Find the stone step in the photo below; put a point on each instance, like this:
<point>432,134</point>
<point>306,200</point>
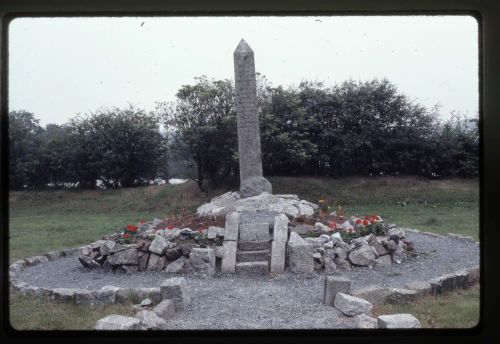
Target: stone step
<point>252,268</point>
<point>253,256</point>
<point>253,245</point>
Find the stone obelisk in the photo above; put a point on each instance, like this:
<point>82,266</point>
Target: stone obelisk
<point>252,182</point>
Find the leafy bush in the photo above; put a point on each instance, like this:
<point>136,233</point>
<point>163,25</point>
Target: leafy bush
<point>121,147</point>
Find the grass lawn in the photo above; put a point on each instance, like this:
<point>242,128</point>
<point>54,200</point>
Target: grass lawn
<point>454,309</point>
<point>46,220</point>
<point>31,314</point>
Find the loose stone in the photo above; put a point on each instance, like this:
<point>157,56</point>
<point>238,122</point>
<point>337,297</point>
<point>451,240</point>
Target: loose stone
<point>177,290</point>
<point>351,305</point>
<point>176,266</point>
<point>362,256</point>
<point>119,322</point>
<point>364,321</point>
<point>151,320</point>
<point>159,245</point>
<point>165,309</point>
<point>334,285</point>
<point>398,321</point>
<point>300,255</point>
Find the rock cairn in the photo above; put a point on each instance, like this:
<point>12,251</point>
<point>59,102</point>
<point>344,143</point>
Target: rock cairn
<point>169,250</point>
<point>331,252</point>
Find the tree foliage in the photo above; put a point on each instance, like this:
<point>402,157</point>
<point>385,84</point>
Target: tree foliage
<point>365,128</point>
<point>204,123</point>
<point>120,147</point>
<point>24,141</point>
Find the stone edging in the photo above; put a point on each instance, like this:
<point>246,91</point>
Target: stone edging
<point>110,294</point>
<point>415,290</point>
<point>107,295</point>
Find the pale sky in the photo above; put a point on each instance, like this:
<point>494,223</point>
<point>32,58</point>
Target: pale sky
<point>59,67</point>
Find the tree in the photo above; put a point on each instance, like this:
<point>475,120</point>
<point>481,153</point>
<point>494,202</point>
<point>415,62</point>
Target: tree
<point>121,147</point>
<point>285,133</point>
<point>24,154</point>
<point>204,120</point>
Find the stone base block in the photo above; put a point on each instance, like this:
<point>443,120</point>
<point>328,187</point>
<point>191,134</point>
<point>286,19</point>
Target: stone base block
<point>252,268</point>
<point>255,186</point>
<point>252,256</point>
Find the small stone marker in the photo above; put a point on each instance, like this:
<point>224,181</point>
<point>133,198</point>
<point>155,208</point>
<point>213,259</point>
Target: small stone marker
<point>252,181</point>
<point>398,321</point>
<point>176,289</point>
<point>280,228</point>
<point>119,322</point>
<point>229,256</point>
<point>300,255</point>
<point>351,305</point>
<point>230,244</point>
<point>278,247</point>
<point>334,285</point>
<point>278,253</point>
<point>231,227</point>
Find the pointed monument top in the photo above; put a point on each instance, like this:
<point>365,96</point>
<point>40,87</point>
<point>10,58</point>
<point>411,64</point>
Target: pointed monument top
<point>243,47</point>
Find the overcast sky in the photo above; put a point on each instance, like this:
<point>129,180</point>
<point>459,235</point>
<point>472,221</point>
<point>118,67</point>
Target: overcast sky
<point>62,66</point>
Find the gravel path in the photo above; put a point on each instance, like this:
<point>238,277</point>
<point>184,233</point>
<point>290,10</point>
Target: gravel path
<point>285,301</point>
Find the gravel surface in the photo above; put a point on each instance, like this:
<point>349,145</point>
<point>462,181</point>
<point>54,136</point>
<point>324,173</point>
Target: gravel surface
<point>284,301</point>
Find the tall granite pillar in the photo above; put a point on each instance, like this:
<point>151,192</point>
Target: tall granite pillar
<point>252,182</point>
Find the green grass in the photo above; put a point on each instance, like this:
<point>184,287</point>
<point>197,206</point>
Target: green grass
<point>440,206</point>
<point>457,309</point>
<point>32,314</point>
<point>47,220</point>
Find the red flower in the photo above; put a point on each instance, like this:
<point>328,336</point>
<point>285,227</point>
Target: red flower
<point>365,222</point>
<point>358,221</point>
<point>373,221</point>
<point>126,235</point>
<point>170,227</point>
<point>132,228</point>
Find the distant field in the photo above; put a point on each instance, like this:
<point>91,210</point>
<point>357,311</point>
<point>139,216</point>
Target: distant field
<point>46,220</point>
